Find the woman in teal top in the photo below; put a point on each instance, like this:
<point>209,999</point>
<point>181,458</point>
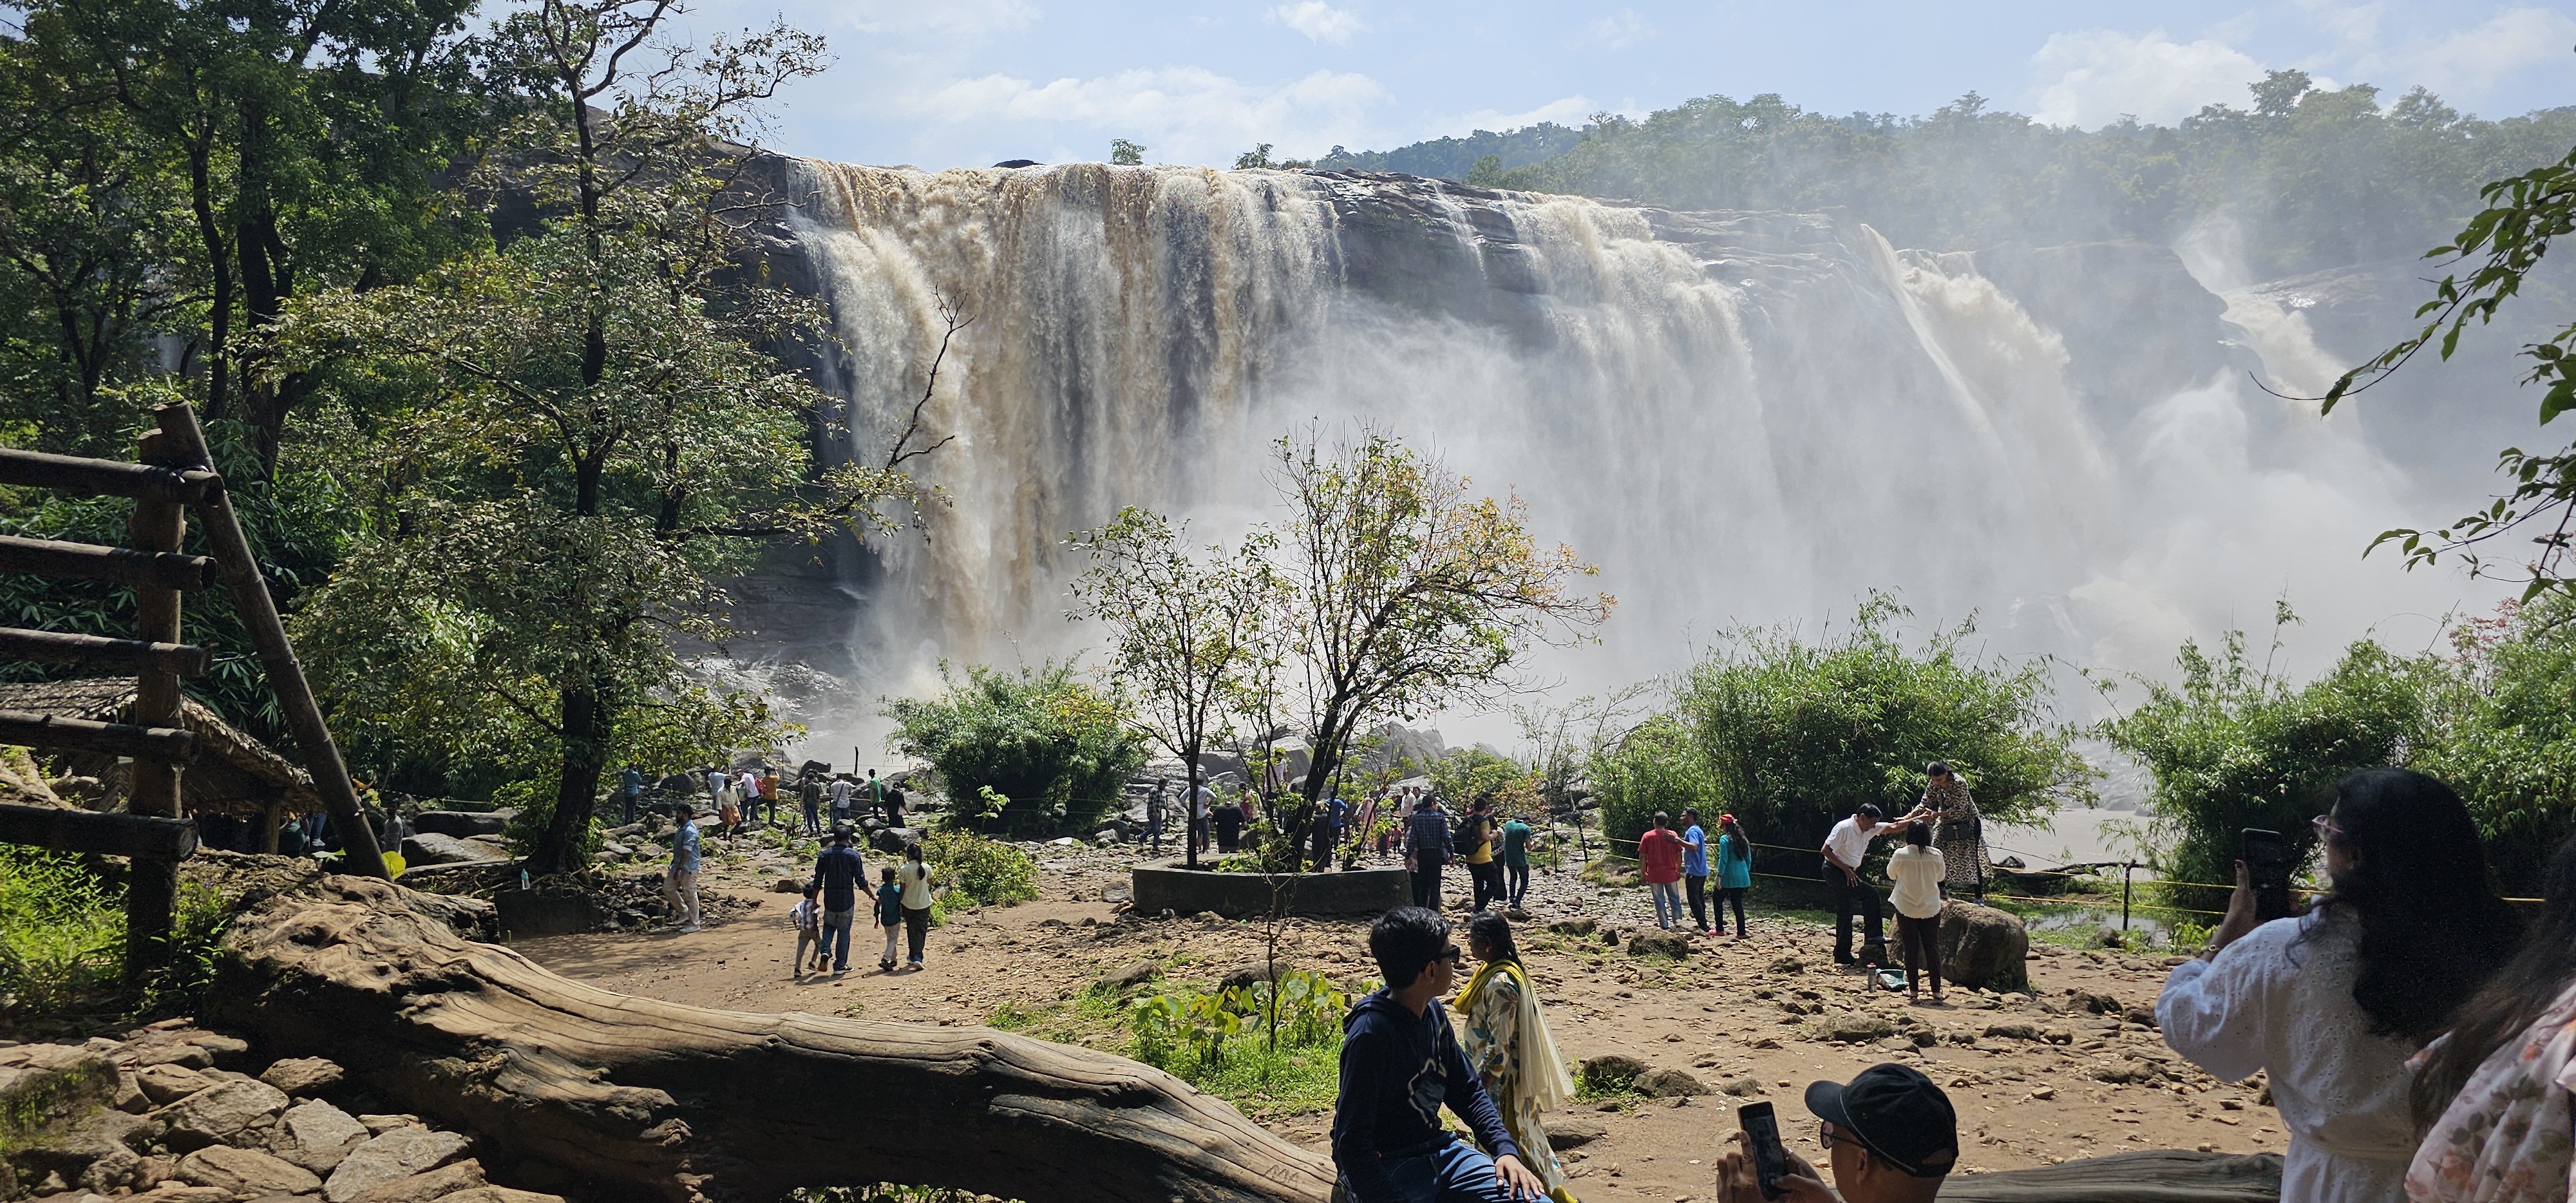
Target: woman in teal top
<point>1734,871</point>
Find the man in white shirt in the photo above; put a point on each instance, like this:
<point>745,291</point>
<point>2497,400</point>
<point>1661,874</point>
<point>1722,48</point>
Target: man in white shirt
<point>1844,848</point>
<point>841,790</point>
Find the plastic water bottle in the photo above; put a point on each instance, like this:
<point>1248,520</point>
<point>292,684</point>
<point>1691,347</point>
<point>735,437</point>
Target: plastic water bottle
<point>524,883</point>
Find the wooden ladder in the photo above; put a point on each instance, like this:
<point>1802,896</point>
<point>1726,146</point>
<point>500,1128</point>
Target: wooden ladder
<point>175,473</point>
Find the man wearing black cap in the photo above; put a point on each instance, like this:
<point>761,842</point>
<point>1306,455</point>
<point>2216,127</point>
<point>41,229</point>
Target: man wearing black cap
<point>1889,1134</point>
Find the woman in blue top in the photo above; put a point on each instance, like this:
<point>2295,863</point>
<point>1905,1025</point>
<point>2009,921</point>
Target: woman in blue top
<point>1734,870</point>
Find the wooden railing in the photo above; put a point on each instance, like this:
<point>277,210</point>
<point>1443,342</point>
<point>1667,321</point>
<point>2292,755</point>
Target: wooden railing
<point>176,474</point>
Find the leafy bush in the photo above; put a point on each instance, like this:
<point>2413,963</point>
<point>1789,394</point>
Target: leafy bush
<point>1791,734</point>
<point>62,932</point>
<point>2233,746</point>
<point>988,872</point>
<point>1304,1010</point>
<point>1051,747</point>
<point>2503,719</point>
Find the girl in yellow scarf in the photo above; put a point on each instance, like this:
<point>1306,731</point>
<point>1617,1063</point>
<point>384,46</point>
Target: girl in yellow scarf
<point>1508,1046</point>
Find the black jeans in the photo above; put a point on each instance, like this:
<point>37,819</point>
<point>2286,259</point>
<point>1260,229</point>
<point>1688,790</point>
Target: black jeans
<point>1920,940</point>
<point>1516,878</point>
<point>1697,888</point>
<point>1732,897</point>
<point>1426,883</point>
<point>916,925</point>
<point>1850,899</point>
<point>1488,878</point>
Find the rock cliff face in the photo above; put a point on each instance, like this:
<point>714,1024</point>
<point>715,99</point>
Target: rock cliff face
<point>1740,416</point>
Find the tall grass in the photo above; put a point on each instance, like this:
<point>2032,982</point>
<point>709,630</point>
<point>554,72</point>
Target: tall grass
<point>62,932</point>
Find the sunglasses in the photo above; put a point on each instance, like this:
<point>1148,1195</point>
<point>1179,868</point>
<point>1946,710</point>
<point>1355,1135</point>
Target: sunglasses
<point>1452,954</point>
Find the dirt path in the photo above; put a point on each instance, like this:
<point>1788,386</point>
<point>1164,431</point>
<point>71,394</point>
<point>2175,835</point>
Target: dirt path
<point>2074,1084</point>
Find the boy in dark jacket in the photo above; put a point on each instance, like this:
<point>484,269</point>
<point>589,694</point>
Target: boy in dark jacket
<point>1400,1064</point>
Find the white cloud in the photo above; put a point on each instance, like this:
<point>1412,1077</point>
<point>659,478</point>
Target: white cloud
<point>1186,114</point>
<point>2467,61</point>
<point>2091,77</point>
<point>951,18</point>
<point>1319,21</point>
<point>1621,29</point>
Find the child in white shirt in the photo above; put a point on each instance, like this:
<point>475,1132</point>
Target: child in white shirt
<point>808,919</point>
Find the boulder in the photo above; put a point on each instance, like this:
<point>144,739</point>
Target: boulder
<point>316,1135</point>
<point>1574,927</point>
<point>1656,942</point>
<point>1743,1086</point>
<point>439,1183</point>
<point>219,1113</point>
<point>1573,1133</point>
<point>1853,1027</point>
<point>1788,965</point>
<point>1984,947</point>
<point>1669,1084</point>
<point>431,848</point>
<point>891,840</point>
<point>1610,1071</point>
<point>167,1084</point>
<point>787,885</point>
<point>1257,971</point>
<point>302,1076</point>
<point>1132,975</point>
<point>459,823</point>
<point>499,1194</point>
<point>245,1172</point>
<point>392,1157</point>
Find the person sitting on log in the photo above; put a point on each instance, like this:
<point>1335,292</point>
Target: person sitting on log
<point>1400,1064</point>
<point>1890,1135</point>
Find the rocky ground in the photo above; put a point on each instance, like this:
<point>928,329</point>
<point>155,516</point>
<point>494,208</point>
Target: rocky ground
<point>2073,1068</point>
<point>171,1113</point>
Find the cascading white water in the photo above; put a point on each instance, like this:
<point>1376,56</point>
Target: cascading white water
<point>1740,417</point>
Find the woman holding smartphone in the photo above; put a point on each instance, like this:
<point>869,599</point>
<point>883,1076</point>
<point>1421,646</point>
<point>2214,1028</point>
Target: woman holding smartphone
<point>2331,1004</point>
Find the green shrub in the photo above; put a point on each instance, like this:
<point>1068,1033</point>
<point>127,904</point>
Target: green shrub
<point>62,932</point>
<point>2233,746</point>
<point>1790,734</point>
<point>1052,750</point>
<point>987,872</point>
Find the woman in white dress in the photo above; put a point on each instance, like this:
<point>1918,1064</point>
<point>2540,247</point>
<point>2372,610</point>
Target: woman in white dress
<point>2332,1003</point>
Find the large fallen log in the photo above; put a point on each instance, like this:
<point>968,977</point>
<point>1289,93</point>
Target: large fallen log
<point>2142,1176</point>
<point>685,1103</point>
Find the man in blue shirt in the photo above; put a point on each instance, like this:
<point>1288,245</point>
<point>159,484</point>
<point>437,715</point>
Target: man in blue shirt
<point>680,885</point>
<point>1400,1065</point>
<point>839,873</point>
<point>630,787</point>
<point>1695,868</point>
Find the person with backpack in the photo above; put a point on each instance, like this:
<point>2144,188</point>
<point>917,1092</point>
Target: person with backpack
<point>1475,834</point>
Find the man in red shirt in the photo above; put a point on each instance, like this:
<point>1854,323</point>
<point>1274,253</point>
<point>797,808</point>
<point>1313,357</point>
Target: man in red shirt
<point>1660,852</point>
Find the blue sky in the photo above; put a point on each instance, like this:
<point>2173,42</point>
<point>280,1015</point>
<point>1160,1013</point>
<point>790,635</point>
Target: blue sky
<point>969,82</point>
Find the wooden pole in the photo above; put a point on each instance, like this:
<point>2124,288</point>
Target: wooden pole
<point>26,728</point>
<point>93,651</point>
<point>147,568</point>
<point>65,830</point>
<point>102,478</point>
<point>268,634</point>
<point>152,886</point>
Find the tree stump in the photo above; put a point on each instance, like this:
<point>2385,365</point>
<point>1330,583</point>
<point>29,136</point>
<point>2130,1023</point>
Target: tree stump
<point>686,1103</point>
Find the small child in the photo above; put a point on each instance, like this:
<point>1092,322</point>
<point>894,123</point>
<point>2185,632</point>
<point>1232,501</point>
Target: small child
<point>889,914</point>
<point>808,919</point>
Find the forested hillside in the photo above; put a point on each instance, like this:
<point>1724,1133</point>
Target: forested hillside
<point>2315,177</point>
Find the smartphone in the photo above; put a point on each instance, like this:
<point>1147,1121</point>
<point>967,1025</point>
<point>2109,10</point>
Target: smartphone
<point>2267,860</point>
<point>1770,1160</point>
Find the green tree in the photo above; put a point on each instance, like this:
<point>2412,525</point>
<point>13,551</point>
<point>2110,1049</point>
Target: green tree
<point>1258,156</point>
<point>1487,172</point>
<point>1184,630</point>
<point>1123,153</point>
<point>1057,750</point>
<point>1658,765</point>
<point>1793,734</point>
<point>1403,592</point>
<point>2503,733</point>
<point>591,435</point>
<point>2233,745</point>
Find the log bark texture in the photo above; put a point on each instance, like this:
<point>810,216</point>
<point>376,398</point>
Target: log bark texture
<point>684,1103</point>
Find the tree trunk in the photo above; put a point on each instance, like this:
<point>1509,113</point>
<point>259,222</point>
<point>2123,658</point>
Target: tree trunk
<point>656,1100</point>
<point>585,731</point>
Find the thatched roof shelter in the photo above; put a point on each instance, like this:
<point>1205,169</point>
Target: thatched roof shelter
<point>232,775</point>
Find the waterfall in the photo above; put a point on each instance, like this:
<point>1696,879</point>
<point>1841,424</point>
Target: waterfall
<point>1741,417</point>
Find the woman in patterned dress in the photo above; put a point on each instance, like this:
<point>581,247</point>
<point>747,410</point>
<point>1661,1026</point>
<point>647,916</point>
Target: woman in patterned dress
<point>2493,1094</point>
<point>1961,835</point>
<point>1508,1046</point>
